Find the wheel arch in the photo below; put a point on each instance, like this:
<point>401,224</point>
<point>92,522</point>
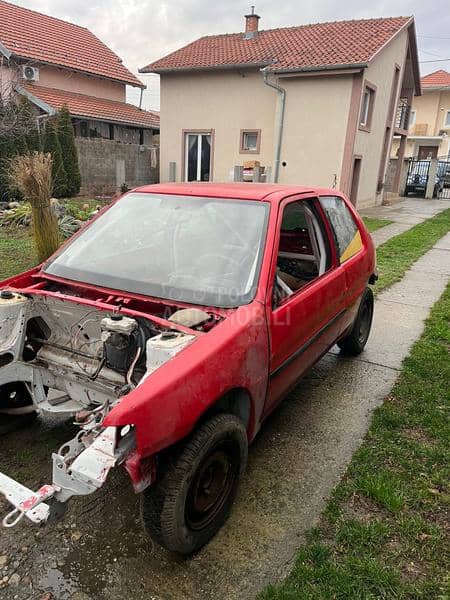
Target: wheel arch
<point>236,401</point>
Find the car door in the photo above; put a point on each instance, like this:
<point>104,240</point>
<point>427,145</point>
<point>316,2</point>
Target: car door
<point>306,297</point>
<point>350,252</point>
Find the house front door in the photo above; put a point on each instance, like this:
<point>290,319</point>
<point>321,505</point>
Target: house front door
<point>427,152</point>
<point>197,158</point>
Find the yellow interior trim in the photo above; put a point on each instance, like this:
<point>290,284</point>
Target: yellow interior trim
<point>354,247</point>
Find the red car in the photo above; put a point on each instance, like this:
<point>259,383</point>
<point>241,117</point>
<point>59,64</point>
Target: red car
<point>171,326</point>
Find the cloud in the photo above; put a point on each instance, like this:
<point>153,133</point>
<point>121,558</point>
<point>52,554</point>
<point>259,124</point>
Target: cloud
<point>141,31</point>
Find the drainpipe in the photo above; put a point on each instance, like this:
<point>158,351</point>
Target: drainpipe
<point>140,99</point>
<point>279,134</point>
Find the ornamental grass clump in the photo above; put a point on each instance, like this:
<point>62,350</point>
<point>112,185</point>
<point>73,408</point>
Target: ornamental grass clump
<point>32,175</point>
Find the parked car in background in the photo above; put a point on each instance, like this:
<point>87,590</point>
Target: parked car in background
<point>171,326</point>
<point>417,180</point>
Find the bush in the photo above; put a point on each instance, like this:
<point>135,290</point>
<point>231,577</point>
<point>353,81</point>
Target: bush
<point>17,217</point>
<point>69,151</point>
<point>32,174</point>
<point>52,146</point>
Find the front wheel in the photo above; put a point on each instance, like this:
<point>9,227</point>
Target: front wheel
<point>355,341</point>
<point>16,407</point>
<point>190,503</point>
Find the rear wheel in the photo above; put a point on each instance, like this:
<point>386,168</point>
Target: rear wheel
<point>192,500</point>
<point>355,341</point>
<point>16,407</point>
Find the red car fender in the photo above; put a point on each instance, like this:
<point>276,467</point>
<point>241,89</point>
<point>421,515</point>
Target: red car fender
<point>167,405</point>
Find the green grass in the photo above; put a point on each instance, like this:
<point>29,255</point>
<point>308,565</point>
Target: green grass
<point>383,533</point>
<point>373,224</point>
<point>396,256</point>
<point>16,251</point>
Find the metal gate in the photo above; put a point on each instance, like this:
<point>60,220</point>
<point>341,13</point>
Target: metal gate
<point>443,176</point>
<point>418,175</point>
<point>417,179</point>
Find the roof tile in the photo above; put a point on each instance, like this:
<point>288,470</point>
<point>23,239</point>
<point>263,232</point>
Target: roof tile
<point>304,47</point>
<point>439,78</point>
<point>34,36</point>
<point>92,107</point>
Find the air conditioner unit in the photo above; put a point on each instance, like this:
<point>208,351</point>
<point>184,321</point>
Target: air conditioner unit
<point>30,73</point>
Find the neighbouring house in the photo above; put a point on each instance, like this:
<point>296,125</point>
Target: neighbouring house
<point>313,104</point>
<point>52,63</point>
<point>429,122</point>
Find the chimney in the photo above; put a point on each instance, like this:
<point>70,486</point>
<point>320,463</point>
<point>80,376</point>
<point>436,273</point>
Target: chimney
<point>251,24</point>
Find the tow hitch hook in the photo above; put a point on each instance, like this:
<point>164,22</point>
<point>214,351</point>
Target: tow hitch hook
<point>25,502</point>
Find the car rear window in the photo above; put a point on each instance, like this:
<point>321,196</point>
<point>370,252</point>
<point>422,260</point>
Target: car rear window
<point>346,233</point>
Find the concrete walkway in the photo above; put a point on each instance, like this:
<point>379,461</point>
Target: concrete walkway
<point>100,553</point>
<point>406,213</point>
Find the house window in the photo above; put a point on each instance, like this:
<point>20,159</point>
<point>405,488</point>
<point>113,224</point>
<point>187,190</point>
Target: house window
<point>412,118</point>
<point>368,99</point>
<point>345,231</point>
<point>197,156</point>
<point>447,119</point>
<point>111,131</point>
<point>250,141</point>
<point>141,137</point>
<point>84,129</point>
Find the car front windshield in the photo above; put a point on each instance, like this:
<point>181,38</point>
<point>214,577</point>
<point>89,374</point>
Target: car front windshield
<point>199,250</point>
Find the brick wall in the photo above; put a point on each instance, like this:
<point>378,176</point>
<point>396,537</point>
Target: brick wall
<point>105,165</point>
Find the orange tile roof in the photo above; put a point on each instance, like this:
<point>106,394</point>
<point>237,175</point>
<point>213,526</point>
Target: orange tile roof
<point>34,36</point>
<point>292,48</point>
<point>439,78</point>
<point>92,107</point>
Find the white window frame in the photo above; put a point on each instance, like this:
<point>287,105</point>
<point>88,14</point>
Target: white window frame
<point>412,118</point>
<point>365,108</point>
<point>199,153</point>
<point>447,119</point>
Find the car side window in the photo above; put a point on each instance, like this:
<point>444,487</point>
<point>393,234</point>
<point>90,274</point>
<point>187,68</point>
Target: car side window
<point>346,233</point>
<point>303,253</point>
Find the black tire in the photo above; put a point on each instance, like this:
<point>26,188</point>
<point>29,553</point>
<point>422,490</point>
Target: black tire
<point>355,341</point>
<point>192,500</point>
<point>14,397</point>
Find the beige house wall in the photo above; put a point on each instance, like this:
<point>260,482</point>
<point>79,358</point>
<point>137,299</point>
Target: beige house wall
<point>316,116</point>
<point>369,145</point>
<point>431,109</point>
<point>316,125</point>
<point>62,79</point>
<point>224,102</point>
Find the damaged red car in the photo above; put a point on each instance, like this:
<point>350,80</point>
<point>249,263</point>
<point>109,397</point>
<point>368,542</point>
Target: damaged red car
<point>169,328</point>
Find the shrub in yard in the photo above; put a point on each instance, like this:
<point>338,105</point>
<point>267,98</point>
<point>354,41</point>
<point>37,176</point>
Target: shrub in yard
<point>68,225</point>
<point>32,174</point>
<point>18,135</point>
<point>17,217</point>
<point>69,151</point>
<point>52,146</point>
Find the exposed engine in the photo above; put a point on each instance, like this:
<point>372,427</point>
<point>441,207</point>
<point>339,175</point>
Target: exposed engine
<point>58,355</point>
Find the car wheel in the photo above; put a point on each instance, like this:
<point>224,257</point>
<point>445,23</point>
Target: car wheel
<point>190,503</point>
<point>16,407</point>
<point>355,341</point>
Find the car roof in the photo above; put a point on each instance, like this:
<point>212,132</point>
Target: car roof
<point>269,192</point>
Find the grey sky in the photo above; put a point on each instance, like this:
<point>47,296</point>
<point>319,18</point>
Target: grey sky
<point>141,31</point>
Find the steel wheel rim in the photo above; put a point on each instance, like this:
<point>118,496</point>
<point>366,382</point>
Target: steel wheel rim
<point>211,486</point>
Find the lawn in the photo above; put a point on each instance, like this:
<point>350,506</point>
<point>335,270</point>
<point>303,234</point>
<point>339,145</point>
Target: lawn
<point>373,224</point>
<point>16,251</point>
<point>396,256</point>
<point>383,534</point>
